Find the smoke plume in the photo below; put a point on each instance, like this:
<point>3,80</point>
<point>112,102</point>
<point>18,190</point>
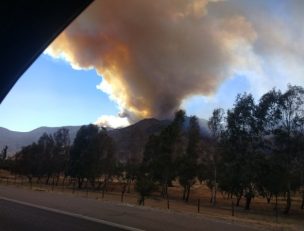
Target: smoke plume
<point>154,54</point>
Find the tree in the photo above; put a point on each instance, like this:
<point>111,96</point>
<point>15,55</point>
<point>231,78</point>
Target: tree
<point>187,162</point>
<point>144,186</point>
<point>131,170</point>
<point>105,162</point>
<point>291,105</point>
<point>161,152</point>
<point>27,161</point>
<point>216,126</point>
<point>238,160</point>
<point>3,153</point>
<point>92,155</point>
<point>270,173</point>
<point>46,147</point>
<point>4,163</point>
<point>80,155</point>
<point>61,151</point>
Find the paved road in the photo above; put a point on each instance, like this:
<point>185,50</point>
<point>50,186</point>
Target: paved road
<point>15,217</point>
<point>132,216</point>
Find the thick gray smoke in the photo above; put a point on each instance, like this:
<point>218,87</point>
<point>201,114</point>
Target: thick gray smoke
<point>154,54</point>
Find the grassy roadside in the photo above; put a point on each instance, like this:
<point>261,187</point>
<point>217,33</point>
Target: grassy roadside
<point>261,214</point>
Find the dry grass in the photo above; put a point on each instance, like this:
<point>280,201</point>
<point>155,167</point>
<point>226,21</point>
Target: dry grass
<point>261,214</point>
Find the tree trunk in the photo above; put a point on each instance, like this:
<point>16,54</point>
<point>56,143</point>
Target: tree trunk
<point>184,193</point>
<point>129,185</point>
<point>123,190</point>
<point>164,190</point>
<point>214,196</point>
<point>63,181</point>
<point>214,187</point>
<point>57,179</point>
<point>53,183</point>
<point>248,201</point>
<point>302,205</point>
<point>164,187</point>
<point>288,203</point>
<point>47,179</point>
<point>80,181</point>
<point>276,203</point>
<point>141,201</point>
<point>99,184</point>
<point>122,196</point>
<point>239,197</point>
<point>269,198</point>
<point>92,182</point>
<point>188,192</point>
<point>104,187</point>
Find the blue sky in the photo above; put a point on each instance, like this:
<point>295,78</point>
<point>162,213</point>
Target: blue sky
<point>51,93</point>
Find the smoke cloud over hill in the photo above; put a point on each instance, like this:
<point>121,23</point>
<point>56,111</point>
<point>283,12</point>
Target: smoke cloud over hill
<point>154,54</point>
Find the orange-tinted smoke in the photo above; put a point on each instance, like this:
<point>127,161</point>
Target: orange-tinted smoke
<point>154,54</point>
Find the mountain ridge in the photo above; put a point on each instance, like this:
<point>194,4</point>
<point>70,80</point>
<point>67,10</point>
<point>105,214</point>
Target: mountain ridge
<point>130,140</point>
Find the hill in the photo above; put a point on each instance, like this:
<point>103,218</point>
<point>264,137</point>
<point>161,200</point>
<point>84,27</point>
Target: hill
<point>130,141</point>
<point>16,140</point>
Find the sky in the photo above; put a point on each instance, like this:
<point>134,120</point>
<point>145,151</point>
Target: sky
<point>116,65</point>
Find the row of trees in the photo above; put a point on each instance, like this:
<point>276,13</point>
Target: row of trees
<point>261,145</point>
<point>49,157</point>
<point>253,149</point>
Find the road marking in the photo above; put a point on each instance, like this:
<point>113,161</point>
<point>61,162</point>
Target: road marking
<point>72,214</point>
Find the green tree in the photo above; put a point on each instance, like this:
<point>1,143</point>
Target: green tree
<point>187,162</point>
<point>145,185</point>
<point>3,153</point>
<point>92,155</point>
<point>162,151</point>
<point>291,105</point>
<point>238,162</point>
<point>3,161</point>
<point>61,152</point>
<point>270,174</point>
<point>105,162</point>
<point>212,157</point>
<point>131,170</point>
<point>27,161</point>
<point>80,154</point>
<point>45,156</point>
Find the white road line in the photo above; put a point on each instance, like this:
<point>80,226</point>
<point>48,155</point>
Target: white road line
<point>72,214</point>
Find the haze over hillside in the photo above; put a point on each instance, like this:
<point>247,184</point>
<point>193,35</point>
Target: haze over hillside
<point>16,140</point>
<point>129,140</point>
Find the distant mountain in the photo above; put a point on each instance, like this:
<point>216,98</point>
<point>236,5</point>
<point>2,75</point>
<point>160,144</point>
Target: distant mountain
<point>203,126</point>
<point>16,140</point>
<point>130,141</point>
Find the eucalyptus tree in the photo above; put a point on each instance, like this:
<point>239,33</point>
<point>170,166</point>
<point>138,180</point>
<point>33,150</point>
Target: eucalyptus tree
<point>291,106</point>
<point>270,174</point>
<point>61,151</point>
<point>238,168</point>
<point>212,156</point>
<point>28,161</point>
<point>162,151</point>
<point>187,162</point>
<point>46,146</point>
<point>81,158</point>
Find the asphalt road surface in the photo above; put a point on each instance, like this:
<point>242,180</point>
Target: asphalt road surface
<point>24,209</point>
<point>15,217</point>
